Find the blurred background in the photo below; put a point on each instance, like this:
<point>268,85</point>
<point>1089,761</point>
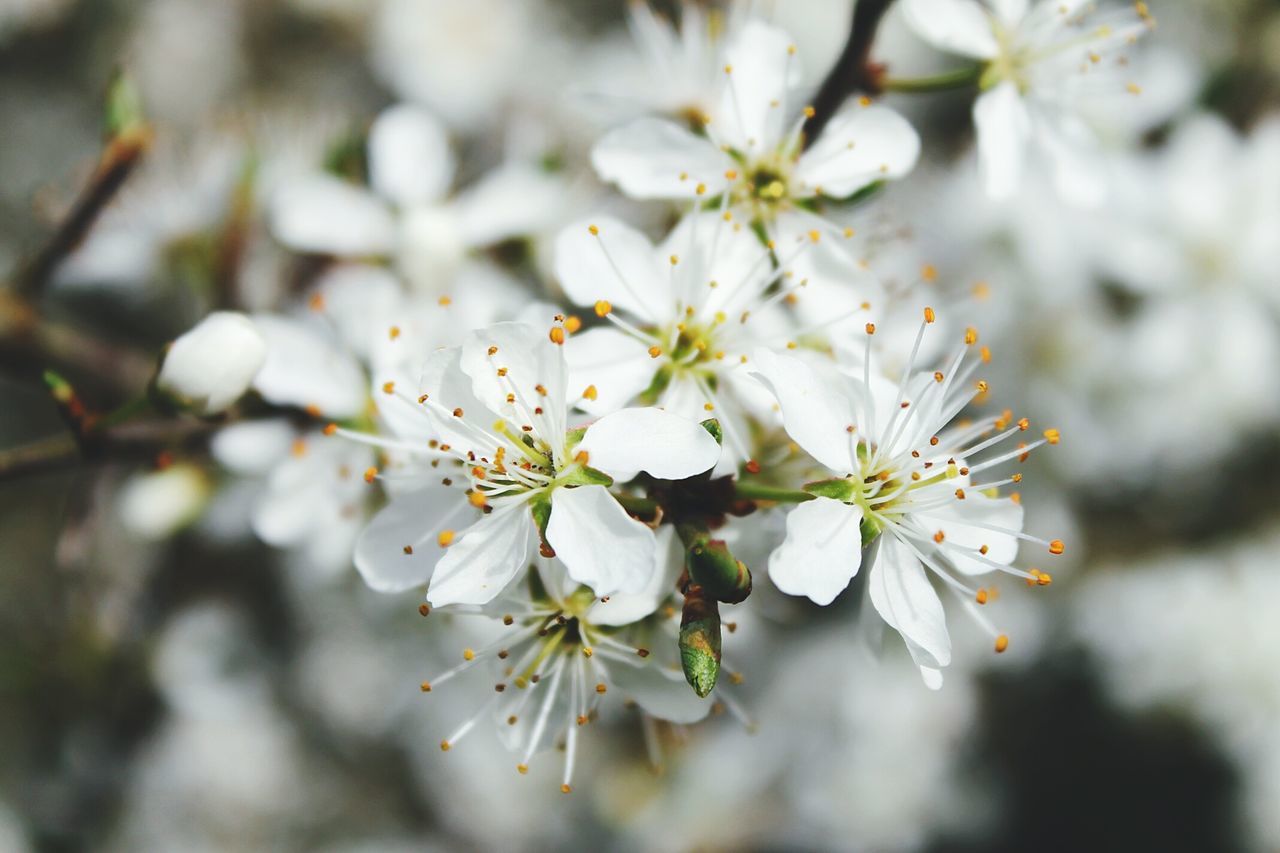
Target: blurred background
<point>168,681</point>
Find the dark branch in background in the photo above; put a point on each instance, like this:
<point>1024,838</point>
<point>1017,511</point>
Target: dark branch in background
<point>121,156</point>
<point>141,442</point>
<point>853,71</point>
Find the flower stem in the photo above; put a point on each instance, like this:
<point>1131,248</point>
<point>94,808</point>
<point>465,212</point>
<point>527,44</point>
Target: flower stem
<point>753,492</point>
<point>957,79</point>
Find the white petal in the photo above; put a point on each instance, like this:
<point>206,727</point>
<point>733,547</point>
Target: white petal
<point>1004,131</point>
<point>932,677</point>
<point>451,389</point>
<point>617,264</point>
<point>648,157</point>
<point>617,365</point>
<point>709,250</point>
<point>305,368</point>
<point>664,445</point>
<point>662,693</point>
<point>904,598</point>
<point>1010,12</point>
<point>252,447</point>
<point>513,200</point>
<point>957,521</point>
<point>815,412</point>
<point>326,215</point>
<point>861,145</point>
<point>412,520</point>
<point>295,502</point>
<point>762,68</point>
<point>409,157</point>
<point>625,608</point>
<point>1079,165</point>
<point>600,545</point>
<point>535,368</point>
<point>822,551</point>
<point>487,556</point>
<point>958,26</point>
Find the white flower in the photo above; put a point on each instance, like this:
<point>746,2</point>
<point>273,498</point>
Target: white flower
<point>211,366</point>
<point>407,212</point>
<point>905,480</point>
<point>684,316</point>
<point>155,505</point>
<point>1040,60</point>
<point>563,650</point>
<point>748,152</point>
<point>496,409</point>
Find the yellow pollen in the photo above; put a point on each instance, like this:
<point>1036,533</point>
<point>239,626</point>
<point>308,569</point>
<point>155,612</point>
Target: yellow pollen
<point>871,328</point>
<point>939,536</point>
<point>445,301</point>
<point>445,538</point>
<point>444,746</point>
<point>556,334</point>
<point>675,259</point>
<point>937,376</point>
<point>970,336</point>
<point>299,447</point>
<point>960,494</point>
<point>457,413</point>
<point>603,307</point>
<point>655,351</point>
<point>814,236</point>
<point>370,474</point>
<point>595,232</point>
<point>929,273</point>
<point>984,549</point>
<point>1057,547</point>
<point>393,332</point>
<point>601,688</point>
<point>982,386</point>
<point>981,597</point>
<point>477,500</point>
<point>1133,89</point>
<point>408,550</point>
<point>864,101</point>
<point>330,429</point>
<point>590,393</point>
<point>985,355</point>
<point>522,769</point>
<point>388,387</point>
<point>468,655</point>
<point>929,315</point>
<point>1002,643</point>
<point>566,789</point>
<point>1052,436</point>
<point>572,323</point>
<point>582,457</point>
<point>1024,424</point>
<point>425,687</point>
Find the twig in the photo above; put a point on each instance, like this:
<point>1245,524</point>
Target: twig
<point>853,71</point>
<point>138,442</point>
<point>121,156</point>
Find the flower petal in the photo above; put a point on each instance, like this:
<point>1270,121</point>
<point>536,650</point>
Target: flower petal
<point>616,364</point>
<point>958,519</point>
<point>760,67</point>
<point>661,444</point>
<point>957,26</point>
<point>654,158</point>
<point>625,608</point>
<point>409,157</point>
<point>822,551</point>
<point>251,448</point>
<point>1004,131</point>
<point>600,545</point>
<point>661,693</point>
<point>616,264</point>
<point>861,145</point>
<point>305,368</point>
<point>815,412</point>
<point>534,367</point>
<point>904,598</point>
<point>328,216</point>
<point>487,557</point>
<point>398,549</point>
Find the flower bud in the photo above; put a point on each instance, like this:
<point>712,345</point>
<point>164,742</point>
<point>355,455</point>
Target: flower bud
<point>211,366</point>
<point>700,640</point>
<point>714,568</point>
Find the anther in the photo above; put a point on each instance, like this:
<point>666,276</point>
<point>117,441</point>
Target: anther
<point>655,351</point>
<point>408,550</point>
<point>444,746</point>
<point>970,336</point>
<point>445,538</point>
<point>522,769</point>
<point>1052,436</point>
<point>425,687</point>
<point>1056,547</point>
<point>388,387</point>
<point>424,609</point>
<point>556,335</point>
<point>370,474</point>
<point>601,688</point>
<point>1002,643</point>
<point>871,328</point>
<point>981,597</point>
<point>929,315</point>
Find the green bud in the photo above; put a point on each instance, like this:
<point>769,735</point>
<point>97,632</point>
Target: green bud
<point>700,640</point>
<point>582,475</point>
<point>540,508</point>
<point>123,109</point>
<point>714,568</point>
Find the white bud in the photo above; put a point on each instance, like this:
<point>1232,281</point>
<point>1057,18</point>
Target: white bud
<point>211,366</point>
<point>155,505</point>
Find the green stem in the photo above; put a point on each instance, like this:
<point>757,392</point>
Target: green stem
<point>754,492</point>
<point>125,413</point>
<point>645,507</point>
<point>947,80</point>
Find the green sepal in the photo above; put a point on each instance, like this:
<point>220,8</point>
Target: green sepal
<point>712,425</point>
<point>700,640</point>
<point>839,488</point>
<point>870,529</point>
<point>661,380</point>
<point>540,509</point>
<point>573,437</point>
<point>585,475</point>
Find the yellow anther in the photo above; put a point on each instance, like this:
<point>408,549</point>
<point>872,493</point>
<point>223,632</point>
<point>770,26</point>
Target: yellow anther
<point>603,307</point>
<point>1052,436</point>
<point>370,474</point>
<point>982,386</point>
<point>731,174</point>
<point>1002,643</point>
<point>971,336</point>
<point>522,769</point>
<point>582,457</point>
<point>937,376</point>
<point>871,328</point>
<point>388,387</point>
<point>444,746</point>
<point>1057,547</point>
<point>468,654</point>
<point>590,393</point>
<point>572,323</point>
<point>601,688</point>
<point>445,538</point>
<point>445,301</point>
<point>929,315</point>
<point>675,259</point>
<point>929,272</point>
<point>477,500</point>
<point>939,536</point>
<point>457,413</point>
<point>566,788</point>
<point>330,429</point>
<point>595,232</point>
<point>393,332</point>
<point>556,334</point>
<point>425,687</point>
<point>981,597</point>
<point>810,112</point>
<point>655,351</point>
<point>960,494</point>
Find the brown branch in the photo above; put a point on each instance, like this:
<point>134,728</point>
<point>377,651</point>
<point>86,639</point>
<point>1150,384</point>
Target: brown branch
<point>853,70</point>
<point>141,442</point>
<point>119,159</point>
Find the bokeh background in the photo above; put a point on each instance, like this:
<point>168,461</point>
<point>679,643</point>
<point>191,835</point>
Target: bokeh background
<point>169,682</point>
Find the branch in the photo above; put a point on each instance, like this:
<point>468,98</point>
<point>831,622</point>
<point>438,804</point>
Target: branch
<point>854,71</point>
<point>136,442</point>
<point>121,156</point>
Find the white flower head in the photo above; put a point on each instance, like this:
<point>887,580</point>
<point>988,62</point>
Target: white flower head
<point>905,479</point>
<point>1041,60</point>
<point>212,365</point>
<point>563,651</point>
<point>752,153</point>
<point>493,421</point>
